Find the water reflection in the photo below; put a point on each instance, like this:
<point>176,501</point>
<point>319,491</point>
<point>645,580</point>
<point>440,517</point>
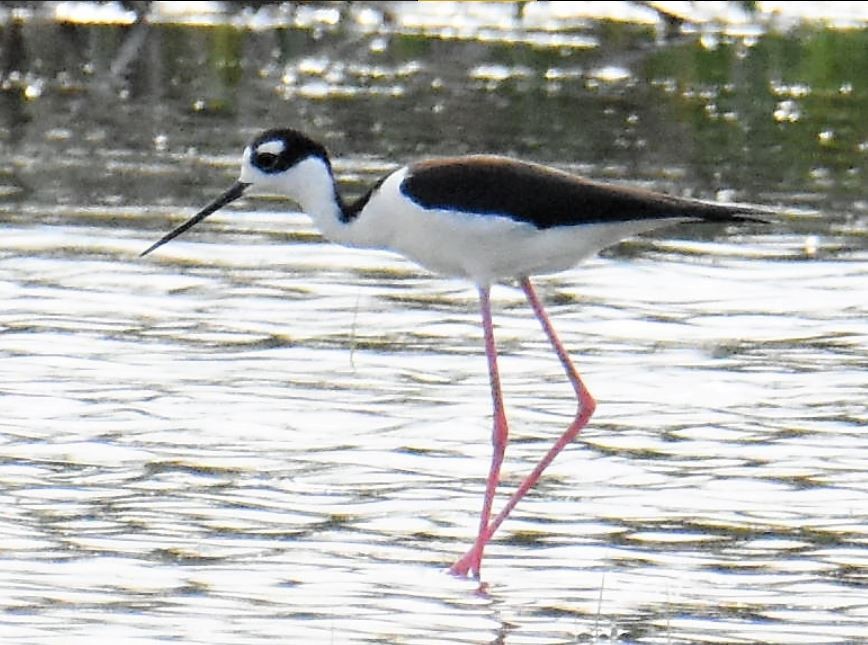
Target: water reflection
<point>258,434</point>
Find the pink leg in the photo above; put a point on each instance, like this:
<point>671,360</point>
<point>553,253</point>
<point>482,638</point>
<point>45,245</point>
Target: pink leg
<point>586,406</point>
<point>499,437</point>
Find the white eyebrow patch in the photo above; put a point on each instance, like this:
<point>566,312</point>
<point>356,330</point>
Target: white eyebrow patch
<point>275,147</point>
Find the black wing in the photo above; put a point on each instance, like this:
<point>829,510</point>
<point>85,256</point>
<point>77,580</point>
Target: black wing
<point>545,197</point>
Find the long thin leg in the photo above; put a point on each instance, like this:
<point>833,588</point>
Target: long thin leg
<point>499,437</point>
<point>586,407</point>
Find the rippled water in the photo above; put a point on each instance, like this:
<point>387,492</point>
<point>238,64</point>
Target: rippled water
<point>254,434</point>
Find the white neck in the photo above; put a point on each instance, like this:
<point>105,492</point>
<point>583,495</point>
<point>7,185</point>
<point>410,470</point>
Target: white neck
<point>311,184</point>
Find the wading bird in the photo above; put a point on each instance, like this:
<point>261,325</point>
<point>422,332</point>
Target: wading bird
<point>483,218</point>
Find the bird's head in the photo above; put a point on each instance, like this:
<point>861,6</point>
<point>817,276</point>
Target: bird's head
<point>276,162</point>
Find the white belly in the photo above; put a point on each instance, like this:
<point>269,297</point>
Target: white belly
<point>483,248</point>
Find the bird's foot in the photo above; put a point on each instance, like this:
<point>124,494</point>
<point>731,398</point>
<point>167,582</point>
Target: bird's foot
<point>468,564</point>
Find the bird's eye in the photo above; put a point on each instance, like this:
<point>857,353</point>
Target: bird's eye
<point>266,160</point>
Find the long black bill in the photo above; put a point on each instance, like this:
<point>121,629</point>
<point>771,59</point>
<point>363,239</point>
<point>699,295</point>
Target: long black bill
<point>229,196</point>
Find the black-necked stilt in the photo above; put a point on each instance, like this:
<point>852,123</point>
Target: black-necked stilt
<point>484,218</point>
